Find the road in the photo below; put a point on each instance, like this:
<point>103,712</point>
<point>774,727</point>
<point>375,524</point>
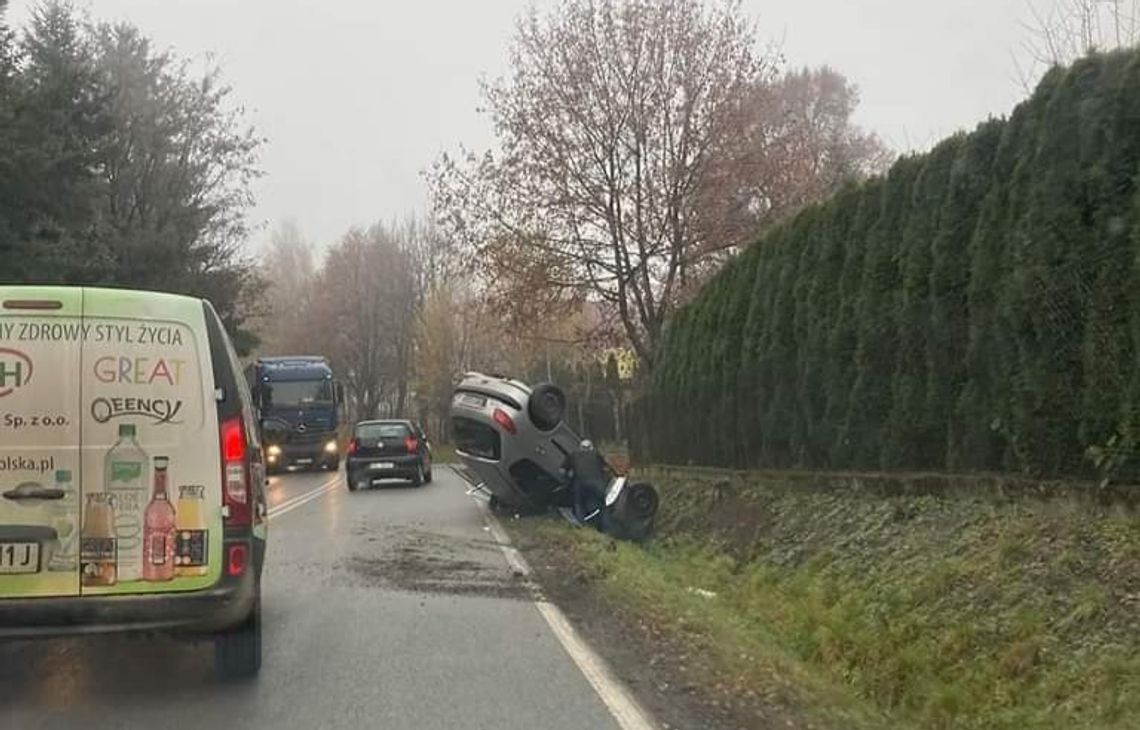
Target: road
<point>389,608</point>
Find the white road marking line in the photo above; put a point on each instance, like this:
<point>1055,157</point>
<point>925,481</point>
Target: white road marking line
<point>303,499</point>
<point>623,707</point>
<point>304,495</point>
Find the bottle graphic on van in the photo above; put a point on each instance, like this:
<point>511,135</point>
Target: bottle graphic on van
<point>125,480</point>
<point>191,536</point>
<point>97,549</point>
<point>158,529</point>
<point>65,512</point>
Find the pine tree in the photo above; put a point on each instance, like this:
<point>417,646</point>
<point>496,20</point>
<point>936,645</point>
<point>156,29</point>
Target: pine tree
<point>948,330</point>
<point>842,344</point>
<point>907,435</point>
<point>876,309</point>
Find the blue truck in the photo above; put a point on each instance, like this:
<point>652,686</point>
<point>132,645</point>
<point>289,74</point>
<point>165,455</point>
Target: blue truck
<point>301,407</point>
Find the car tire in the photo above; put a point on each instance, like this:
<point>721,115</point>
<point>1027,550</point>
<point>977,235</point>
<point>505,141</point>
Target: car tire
<point>350,480</point>
<point>237,651</point>
<point>428,476</point>
<point>546,406</point>
<point>418,479</point>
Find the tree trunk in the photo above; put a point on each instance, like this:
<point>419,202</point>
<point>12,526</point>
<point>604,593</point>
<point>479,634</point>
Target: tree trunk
<point>616,394</point>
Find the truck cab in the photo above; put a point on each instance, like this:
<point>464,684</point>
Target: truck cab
<point>300,408</point>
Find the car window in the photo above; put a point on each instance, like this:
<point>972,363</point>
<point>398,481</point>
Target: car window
<point>370,431</point>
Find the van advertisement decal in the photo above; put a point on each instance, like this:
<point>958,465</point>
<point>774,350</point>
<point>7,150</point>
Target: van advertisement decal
<point>40,425</point>
<point>109,453</point>
<point>146,434</point>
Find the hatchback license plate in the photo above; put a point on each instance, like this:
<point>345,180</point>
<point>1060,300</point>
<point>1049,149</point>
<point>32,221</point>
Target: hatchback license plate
<point>475,401</point>
<point>19,557</point>
<point>378,465</point>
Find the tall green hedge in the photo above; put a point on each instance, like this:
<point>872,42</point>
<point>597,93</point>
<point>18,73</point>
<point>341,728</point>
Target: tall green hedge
<point>976,308</point>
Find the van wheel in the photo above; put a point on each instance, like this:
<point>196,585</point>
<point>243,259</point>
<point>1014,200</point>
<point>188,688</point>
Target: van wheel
<point>237,651</point>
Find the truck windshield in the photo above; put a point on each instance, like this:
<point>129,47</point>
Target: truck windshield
<point>297,393</point>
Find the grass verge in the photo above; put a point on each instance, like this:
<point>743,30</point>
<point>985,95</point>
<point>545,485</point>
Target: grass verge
<point>444,454</point>
<point>862,611</point>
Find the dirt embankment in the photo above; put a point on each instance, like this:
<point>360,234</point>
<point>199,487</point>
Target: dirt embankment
<point>848,601</point>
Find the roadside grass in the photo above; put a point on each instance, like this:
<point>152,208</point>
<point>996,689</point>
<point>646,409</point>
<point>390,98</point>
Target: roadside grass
<point>444,454</point>
<point>900,612</point>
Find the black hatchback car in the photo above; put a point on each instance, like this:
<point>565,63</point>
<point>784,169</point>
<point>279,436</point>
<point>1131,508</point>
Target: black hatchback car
<point>387,449</point>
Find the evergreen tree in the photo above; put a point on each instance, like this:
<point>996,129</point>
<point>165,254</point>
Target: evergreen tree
<point>948,330</point>
<point>877,343</point>
<point>908,437</point>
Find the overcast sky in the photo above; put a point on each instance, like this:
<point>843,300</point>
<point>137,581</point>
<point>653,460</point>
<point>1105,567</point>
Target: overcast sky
<point>357,97</point>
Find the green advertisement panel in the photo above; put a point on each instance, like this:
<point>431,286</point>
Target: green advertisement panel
<point>125,449</point>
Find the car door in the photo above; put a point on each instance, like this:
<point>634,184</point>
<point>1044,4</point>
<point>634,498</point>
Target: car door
<point>41,330</point>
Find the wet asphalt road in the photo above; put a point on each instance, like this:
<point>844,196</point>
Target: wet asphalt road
<point>389,608</point>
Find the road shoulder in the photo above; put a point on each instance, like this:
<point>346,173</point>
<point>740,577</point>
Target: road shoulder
<point>667,674</point>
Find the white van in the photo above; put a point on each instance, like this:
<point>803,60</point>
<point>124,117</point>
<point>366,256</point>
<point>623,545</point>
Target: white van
<point>132,486</point>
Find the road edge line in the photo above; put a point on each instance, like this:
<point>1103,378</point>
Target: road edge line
<point>622,705</point>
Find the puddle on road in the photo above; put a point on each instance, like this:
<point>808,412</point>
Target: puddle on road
<point>421,561</point>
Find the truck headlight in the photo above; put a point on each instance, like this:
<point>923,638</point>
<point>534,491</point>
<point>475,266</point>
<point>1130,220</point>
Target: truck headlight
<point>331,447</point>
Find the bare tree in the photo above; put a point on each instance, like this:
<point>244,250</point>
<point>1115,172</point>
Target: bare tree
<point>605,130</point>
<point>796,145</point>
<point>358,313</point>
<point>1069,29</point>
<point>287,268</point>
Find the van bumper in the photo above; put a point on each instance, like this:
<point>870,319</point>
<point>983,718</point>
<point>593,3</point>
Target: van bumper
<point>226,604</point>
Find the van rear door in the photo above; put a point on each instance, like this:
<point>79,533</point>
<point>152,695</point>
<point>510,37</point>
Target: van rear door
<point>40,416</point>
<point>151,442</point>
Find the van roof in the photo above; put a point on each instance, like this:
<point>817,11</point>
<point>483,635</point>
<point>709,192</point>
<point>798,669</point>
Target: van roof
<point>110,291</point>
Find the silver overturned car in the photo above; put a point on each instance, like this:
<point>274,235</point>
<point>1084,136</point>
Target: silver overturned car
<point>514,441</point>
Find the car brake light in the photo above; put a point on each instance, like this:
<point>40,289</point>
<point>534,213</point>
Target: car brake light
<point>235,473</point>
<point>353,445</point>
<point>237,559</point>
<point>411,444</point>
<point>504,420</point>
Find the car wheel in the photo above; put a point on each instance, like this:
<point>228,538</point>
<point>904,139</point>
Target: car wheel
<point>546,406</point>
<point>237,651</point>
<point>428,476</point>
<point>418,479</point>
<point>350,480</point>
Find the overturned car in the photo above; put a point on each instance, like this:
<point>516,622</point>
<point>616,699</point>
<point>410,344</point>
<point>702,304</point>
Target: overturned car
<point>518,449</point>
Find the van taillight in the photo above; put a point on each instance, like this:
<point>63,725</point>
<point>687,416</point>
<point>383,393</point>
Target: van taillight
<point>353,445</point>
<point>237,559</point>
<point>235,473</point>
<point>411,444</point>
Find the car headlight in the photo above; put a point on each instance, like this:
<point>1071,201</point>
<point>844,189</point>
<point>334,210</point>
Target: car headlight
<point>331,447</point>
<point>274,450</point>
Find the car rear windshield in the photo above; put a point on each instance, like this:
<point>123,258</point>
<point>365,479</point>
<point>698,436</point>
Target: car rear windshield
<point>383,431</point>
<point>475,438</point>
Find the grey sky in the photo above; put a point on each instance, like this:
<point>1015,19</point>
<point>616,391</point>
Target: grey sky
<point>356,97</point>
